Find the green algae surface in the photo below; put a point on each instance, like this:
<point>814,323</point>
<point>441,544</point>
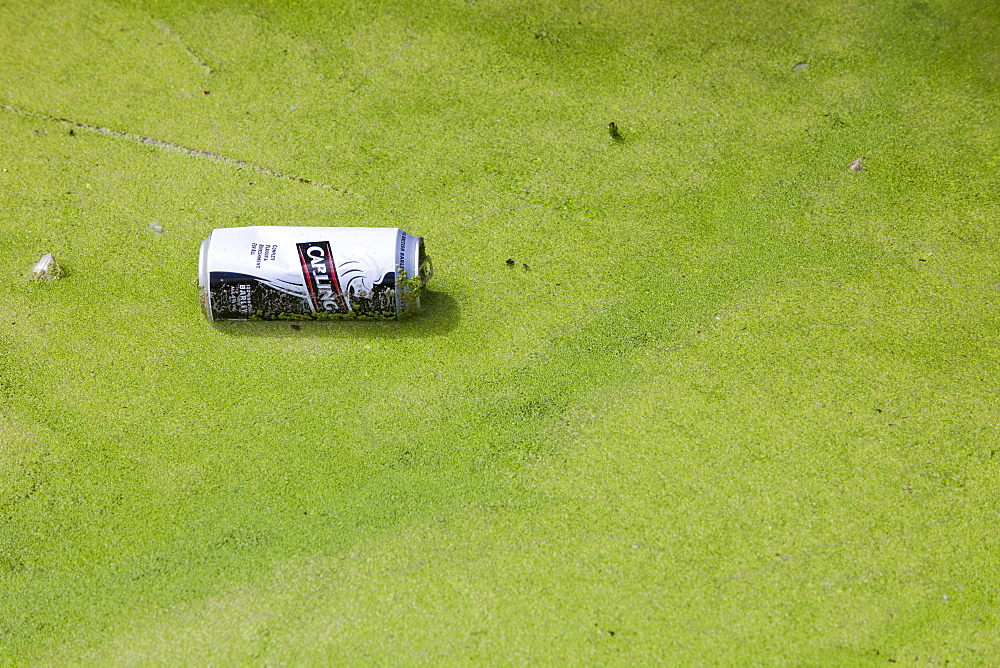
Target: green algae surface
<point>733,402</point>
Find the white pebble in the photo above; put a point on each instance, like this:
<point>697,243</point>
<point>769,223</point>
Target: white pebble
<point>46,267</point>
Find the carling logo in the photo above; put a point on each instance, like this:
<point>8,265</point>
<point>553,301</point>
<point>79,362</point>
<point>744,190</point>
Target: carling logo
<point>321,277</point>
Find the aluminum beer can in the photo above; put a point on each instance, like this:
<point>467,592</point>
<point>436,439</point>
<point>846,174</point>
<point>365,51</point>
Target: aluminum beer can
<point>311,273</point>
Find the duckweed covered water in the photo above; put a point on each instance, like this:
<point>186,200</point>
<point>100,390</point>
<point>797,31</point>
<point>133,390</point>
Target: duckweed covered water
<point>740,408</point>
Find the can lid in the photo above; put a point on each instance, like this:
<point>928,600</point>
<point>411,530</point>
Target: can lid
<point>424,267</point>
<point>410,277</point>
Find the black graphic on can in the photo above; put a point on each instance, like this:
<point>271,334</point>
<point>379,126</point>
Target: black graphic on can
<point>321,280</point>
<point>378,299</point>
<point>239,296</point>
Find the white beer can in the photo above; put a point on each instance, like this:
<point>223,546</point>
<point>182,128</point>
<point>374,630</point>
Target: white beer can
<point>311,273</point>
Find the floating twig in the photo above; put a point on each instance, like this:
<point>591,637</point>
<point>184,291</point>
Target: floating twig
<point>165,27</point>
<point>150,141</point>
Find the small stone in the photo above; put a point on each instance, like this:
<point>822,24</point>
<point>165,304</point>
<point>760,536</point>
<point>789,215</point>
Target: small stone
<point>799,66</point>
<point>46,267</point>
<point>156,227</point>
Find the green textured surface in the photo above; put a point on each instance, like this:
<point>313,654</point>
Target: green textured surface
<point>741,407</point>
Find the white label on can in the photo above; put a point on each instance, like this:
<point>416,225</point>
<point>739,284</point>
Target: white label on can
<point>295,272</point>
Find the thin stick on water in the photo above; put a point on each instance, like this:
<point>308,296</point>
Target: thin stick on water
<point>160,143</point>
<point>165,27</point>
